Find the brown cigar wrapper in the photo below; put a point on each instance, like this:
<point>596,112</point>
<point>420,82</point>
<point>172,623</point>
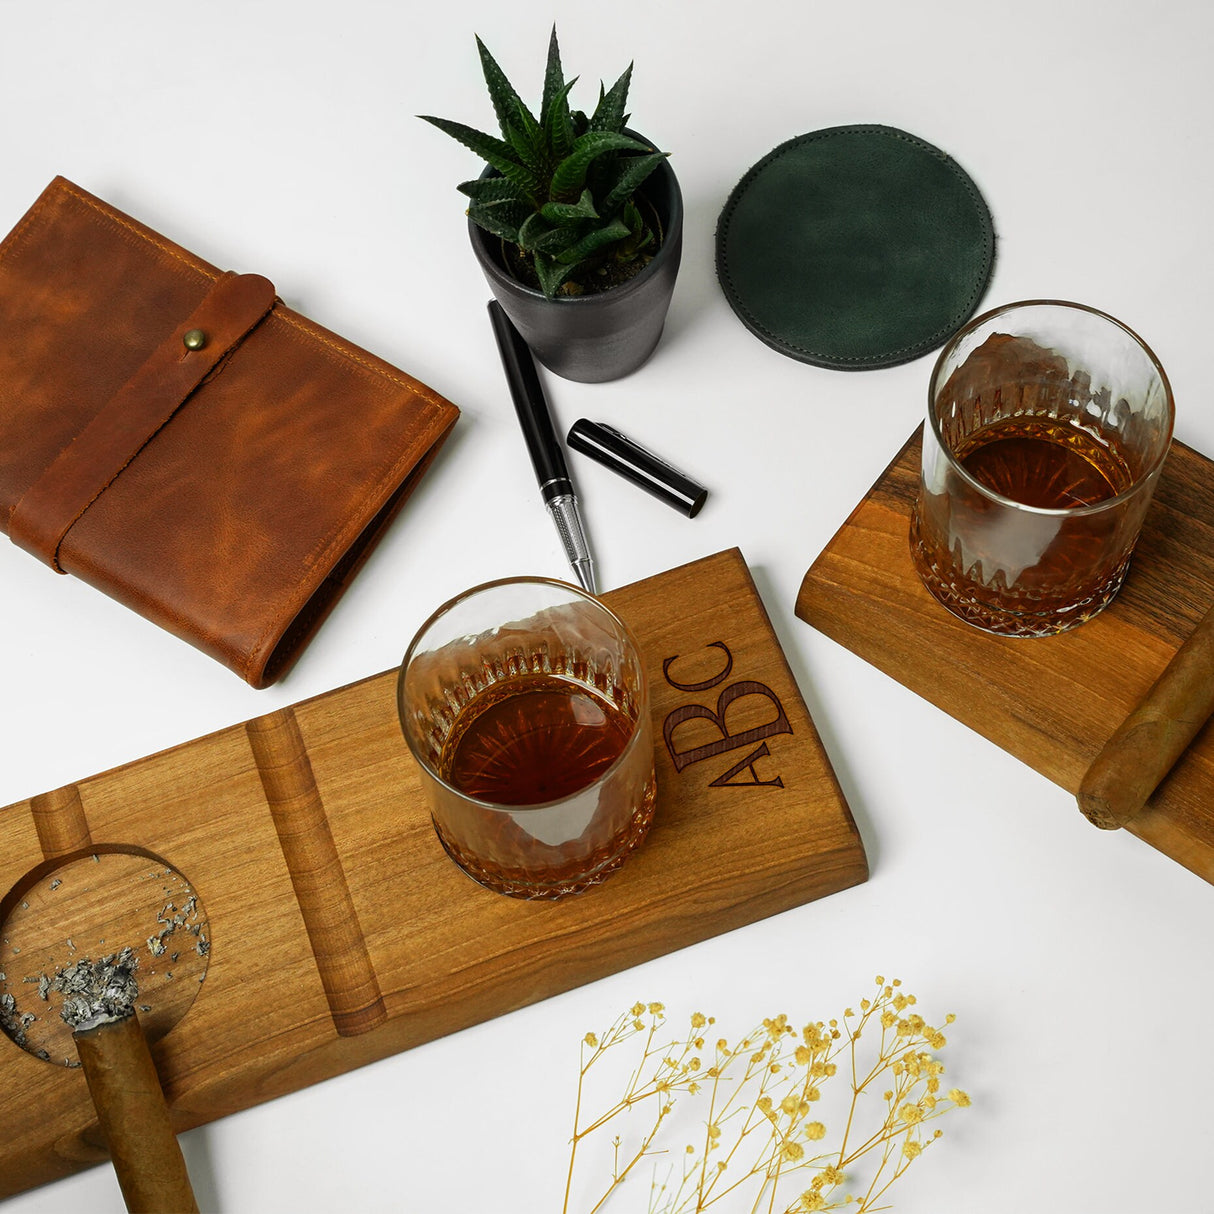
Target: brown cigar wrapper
<point>133,1114</point>
<point>1148,742</point>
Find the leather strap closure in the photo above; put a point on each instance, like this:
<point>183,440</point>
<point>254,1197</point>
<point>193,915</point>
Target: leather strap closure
<point>138,410</point>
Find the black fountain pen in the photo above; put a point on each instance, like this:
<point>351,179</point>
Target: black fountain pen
<point>543,446</point>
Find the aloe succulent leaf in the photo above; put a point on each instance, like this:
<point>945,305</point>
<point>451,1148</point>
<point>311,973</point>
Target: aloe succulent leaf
<point>629,172</point>
<point>532,230</point>
<point>592,242</point>
<point>551,273</point>
<point>529,143</point>
<point>498,219</point>
<point>565,212</point>
<point>505,209</point>
<point>554,241</point>
<point>493,151</point>
<point>569,178</point>
<point>558,123</point>
<point>482,144</point>
<point>525,123</point>
<point>501,91</point>
<point>537,235</point>
<point>640,235</point>
<point>554,79</point>
<point>494,189</point>
<point>635,244</point>
<point>609,113</point>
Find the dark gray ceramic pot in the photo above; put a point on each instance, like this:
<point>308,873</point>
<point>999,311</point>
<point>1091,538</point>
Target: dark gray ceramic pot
<point>594,338</point>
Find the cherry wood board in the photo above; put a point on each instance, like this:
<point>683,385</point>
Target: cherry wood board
<point>336,930</point>
<point>1052,702</point>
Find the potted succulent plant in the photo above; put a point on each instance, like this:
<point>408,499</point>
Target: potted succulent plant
<point>577,222</point>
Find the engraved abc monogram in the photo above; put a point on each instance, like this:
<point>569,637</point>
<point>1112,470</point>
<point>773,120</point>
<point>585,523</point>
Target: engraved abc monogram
<point>731,693</point>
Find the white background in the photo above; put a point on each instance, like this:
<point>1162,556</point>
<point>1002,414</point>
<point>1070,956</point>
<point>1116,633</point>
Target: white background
<point>282,138</point>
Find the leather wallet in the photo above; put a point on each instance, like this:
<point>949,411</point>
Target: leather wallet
<point>186,443</point>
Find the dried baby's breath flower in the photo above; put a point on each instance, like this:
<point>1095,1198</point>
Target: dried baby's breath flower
<point>791,1151</point>
<point>755,1099</point>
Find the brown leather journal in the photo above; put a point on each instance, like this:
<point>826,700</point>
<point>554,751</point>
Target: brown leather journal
<point>183,441</point>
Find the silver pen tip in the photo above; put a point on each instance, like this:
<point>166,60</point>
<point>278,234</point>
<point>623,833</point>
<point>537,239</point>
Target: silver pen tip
<point>568,522</point>
<point>585,575</point>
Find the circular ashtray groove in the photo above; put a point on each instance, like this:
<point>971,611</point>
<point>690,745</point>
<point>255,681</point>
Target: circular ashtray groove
<point>88,908</point>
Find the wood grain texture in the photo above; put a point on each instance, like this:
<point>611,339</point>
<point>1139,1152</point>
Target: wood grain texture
<point>750,822</point>
<point>321,889</point>
<point>60,822</point>
<point>1053,702</point>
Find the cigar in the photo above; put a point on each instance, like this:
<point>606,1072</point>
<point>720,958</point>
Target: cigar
<point>1149,741</point>
<point>130,1105</point>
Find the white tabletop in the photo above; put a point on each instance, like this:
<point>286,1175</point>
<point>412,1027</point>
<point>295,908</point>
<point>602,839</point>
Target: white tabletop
<point>282,138</point>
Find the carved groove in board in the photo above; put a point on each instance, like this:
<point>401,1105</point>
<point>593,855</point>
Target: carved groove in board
<point>350,984</point>
<point>60,823</point>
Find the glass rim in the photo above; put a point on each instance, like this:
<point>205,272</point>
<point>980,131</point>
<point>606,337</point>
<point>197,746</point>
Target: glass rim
<point>994,495</point>
<point>521,580</point>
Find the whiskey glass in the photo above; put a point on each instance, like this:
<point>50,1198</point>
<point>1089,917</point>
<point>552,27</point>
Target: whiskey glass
<point>526,705</point>
<point>1047,427</point>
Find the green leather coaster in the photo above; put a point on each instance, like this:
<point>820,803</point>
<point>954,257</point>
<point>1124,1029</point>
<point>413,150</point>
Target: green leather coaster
<point>855,247</point>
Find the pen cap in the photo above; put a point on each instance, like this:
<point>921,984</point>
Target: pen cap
<point>607,446</point>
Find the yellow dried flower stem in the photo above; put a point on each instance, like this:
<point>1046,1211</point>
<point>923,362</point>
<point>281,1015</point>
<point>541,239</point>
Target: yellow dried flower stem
<point>710,1189</point>
<point>769,1081</point>
<point>781,1152</point>
<point>867,1013</point>
<point>623,1029</point>
<point>891,1130</point>
<point>902,1055</point>
<point>619,1175</point>
<point>917,1147</point>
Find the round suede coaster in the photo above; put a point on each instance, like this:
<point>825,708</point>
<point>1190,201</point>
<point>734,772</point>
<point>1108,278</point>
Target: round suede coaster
<point>855,247</point>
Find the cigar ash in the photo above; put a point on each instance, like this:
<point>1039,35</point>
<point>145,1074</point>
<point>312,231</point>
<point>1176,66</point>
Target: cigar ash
<point>95,991</point>
<point>92,939</point>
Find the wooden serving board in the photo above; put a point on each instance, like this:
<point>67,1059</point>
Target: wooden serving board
<point>335,929</point>
<point>1052,702</point>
